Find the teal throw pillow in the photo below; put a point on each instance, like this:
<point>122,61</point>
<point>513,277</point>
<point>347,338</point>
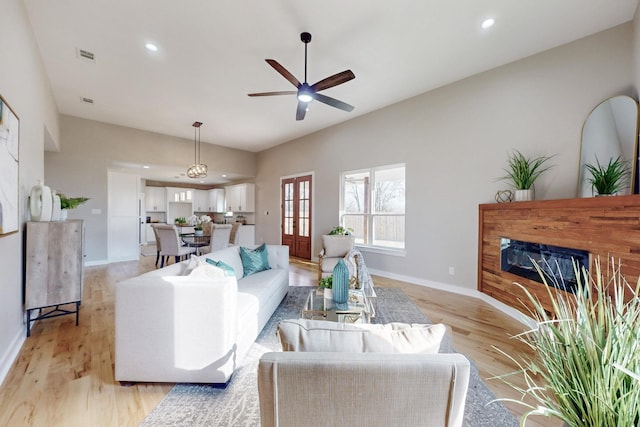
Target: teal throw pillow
<point>228,270</point>
<point>254,260</point>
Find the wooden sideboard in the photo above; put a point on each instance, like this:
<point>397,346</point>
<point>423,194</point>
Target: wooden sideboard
<point>606,227</point>
<point>53,269</point>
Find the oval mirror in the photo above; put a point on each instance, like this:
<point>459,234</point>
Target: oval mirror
<point>611,130</point>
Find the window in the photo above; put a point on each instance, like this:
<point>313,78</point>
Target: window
<point>372,205</point>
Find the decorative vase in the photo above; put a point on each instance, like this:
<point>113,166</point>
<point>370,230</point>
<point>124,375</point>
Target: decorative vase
<point>40,202</point>
<point>524,195</point>
<point>340,282</point>
<point>55,210</point>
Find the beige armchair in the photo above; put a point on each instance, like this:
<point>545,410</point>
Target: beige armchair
<point>333,249</point>
<point>362,389</point>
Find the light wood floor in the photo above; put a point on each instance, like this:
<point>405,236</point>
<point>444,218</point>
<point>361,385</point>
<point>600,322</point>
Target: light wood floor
<point>63,375</point>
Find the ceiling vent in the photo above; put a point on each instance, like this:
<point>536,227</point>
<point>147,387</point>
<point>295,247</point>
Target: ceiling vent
<point>86,55</point>
<point>86,100</point>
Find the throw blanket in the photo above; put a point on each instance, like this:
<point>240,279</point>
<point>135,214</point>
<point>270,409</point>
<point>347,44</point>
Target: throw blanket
<point>358,272</point>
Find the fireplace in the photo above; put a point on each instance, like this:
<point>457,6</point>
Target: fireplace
<point>557,263</point>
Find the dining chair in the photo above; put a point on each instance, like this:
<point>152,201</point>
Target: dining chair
<point>171,243</point>
<point>220,234</point>
<point>158,243</point>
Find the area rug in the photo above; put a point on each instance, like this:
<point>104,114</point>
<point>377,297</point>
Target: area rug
<point>148,250</point>
<point>195,405</point>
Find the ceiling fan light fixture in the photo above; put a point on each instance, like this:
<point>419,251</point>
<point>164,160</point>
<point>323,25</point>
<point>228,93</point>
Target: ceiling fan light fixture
<point>197,169</point>
<point>305,97</point>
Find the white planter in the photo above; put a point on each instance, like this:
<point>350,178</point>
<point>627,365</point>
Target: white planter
<point>63,214</point>
<point>198,232</point>
<point>328,293</point>
<point>524,195</point>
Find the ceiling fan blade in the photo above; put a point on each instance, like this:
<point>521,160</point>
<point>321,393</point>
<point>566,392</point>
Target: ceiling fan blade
<point>283,71</point>
<point>282,92</point>
<point>333,102</point>
<point>334,80</point>
<point>301,111</point>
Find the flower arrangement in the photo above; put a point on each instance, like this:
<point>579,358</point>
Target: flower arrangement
<point>196,221</point>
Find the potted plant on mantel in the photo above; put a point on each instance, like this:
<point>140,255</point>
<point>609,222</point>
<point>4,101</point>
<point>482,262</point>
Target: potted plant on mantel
<point>587,353</point>
<point>523,172</point>
<point>610,179</point>
<point>67,203</point>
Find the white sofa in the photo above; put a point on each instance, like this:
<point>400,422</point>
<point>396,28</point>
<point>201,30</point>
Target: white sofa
<point>172,327</point>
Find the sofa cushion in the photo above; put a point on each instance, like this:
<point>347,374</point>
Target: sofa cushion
<point>326,336</point>
<point>229,256</point>
<point>254,260</point>
<point>228,270</point>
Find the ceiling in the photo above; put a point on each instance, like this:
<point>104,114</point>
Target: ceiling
<point>211,54</point>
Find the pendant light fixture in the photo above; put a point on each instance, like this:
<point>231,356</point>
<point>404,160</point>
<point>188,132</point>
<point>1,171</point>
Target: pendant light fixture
<point>197,169</point>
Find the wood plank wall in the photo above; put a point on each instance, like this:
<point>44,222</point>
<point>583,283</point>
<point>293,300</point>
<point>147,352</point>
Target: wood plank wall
<point>606,227</point>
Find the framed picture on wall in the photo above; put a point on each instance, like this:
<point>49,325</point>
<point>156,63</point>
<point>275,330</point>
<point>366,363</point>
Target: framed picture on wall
<point>9,162</point>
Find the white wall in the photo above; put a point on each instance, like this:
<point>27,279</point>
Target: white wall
<point>25,88</point>
<point>455,142</point>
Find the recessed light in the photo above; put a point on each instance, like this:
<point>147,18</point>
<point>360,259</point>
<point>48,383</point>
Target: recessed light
<point>224,175</point>
<point>488,23</point>
<point>145,167</point>
<point>151,47</point>
<point>201,182</point>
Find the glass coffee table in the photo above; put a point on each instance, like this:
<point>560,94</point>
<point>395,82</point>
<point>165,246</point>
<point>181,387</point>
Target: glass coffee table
<point>360,307</point>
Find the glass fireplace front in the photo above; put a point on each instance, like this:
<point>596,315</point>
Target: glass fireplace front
<point>517,257</point>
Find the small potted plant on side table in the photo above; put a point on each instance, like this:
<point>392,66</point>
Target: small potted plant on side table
<point>326,283</point>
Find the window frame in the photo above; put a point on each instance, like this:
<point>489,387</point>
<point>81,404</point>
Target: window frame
<point>370,247</point>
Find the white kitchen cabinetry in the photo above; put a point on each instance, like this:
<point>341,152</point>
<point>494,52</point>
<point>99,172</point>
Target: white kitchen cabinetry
<point>240,197</point>
<point>150,236</point>
<point>201,201</point>
<point>181,195</point>
<point>216,200</point>
<point>155,199</point>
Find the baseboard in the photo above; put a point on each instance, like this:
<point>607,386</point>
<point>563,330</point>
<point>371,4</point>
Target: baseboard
<point>474,293</point>
<point>11,354</point>
<point>96,262</point>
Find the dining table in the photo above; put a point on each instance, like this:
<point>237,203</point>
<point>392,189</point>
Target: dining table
<point>196,241</point>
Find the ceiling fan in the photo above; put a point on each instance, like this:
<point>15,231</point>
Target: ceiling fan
<point>306,92</point>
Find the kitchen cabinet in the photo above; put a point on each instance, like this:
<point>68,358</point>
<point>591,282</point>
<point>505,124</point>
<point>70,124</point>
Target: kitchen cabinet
<point>53,269</point>
<point>155,199</point>
<point>240,197</point>
<point>150,236</point>
<point>216,200</point>
<point>181,195</point>
<point>201,201</point>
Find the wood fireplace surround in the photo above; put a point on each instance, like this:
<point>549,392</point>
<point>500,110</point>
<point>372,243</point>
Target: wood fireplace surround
<point>606,227</point>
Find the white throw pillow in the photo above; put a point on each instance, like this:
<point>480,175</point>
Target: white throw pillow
<point>337,246</point>
<point>326,336</point>
<point>203,268</point>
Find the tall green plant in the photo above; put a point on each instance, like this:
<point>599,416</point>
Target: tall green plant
<point>583,355</point>
<point>611,178</point>
<point>523,172</point>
